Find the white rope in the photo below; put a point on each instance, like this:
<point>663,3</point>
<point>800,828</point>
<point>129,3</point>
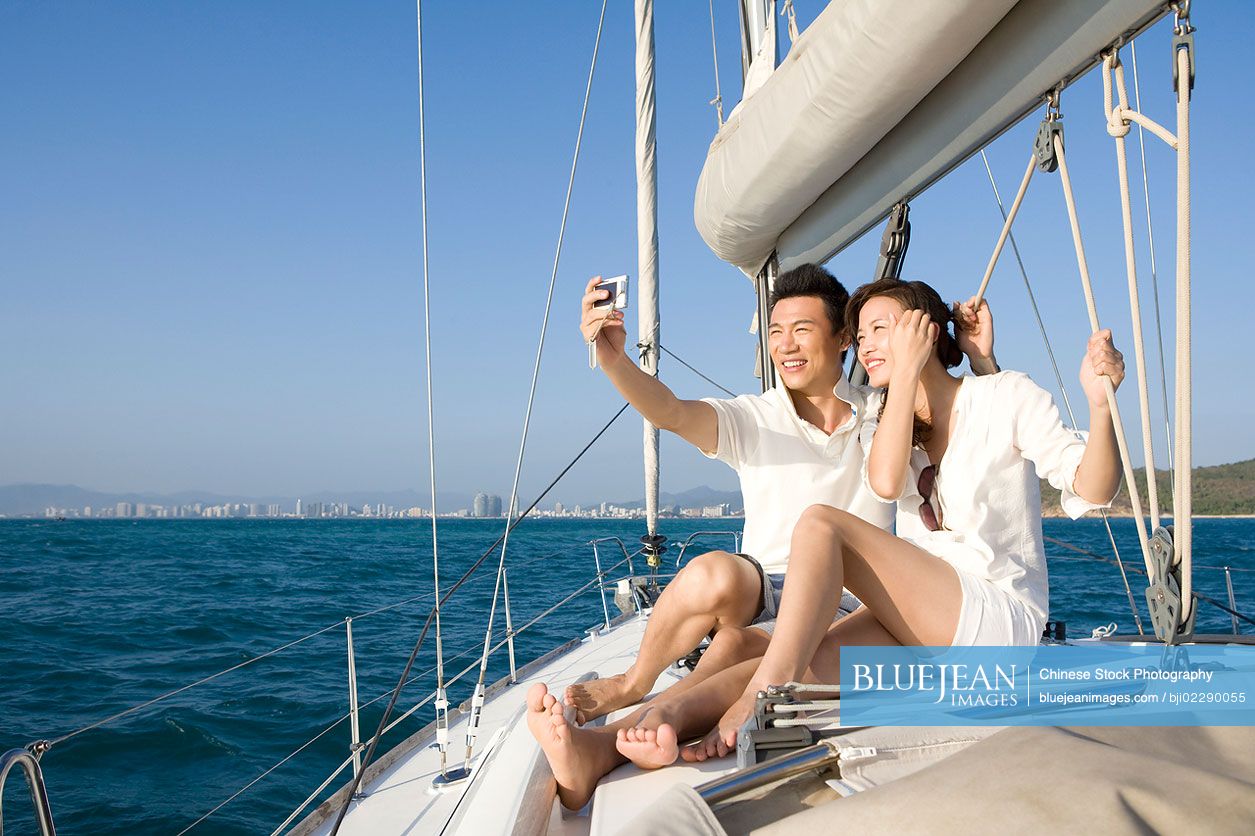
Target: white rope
<point>477,698</point>
<point>1008,219</point>
<point>442,704</point>
<point>1063,390</point>
<point>1154,271</point>
<point>1092,309</point>
<point>1118,128</point>
<point>717,101</point>
<point>1182,512</point>
<point>787,11</point>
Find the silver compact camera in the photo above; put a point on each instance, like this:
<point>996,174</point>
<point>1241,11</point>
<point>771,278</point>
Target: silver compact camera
<point>618,287</point>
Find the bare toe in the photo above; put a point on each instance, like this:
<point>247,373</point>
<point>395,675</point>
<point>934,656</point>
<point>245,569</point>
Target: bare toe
<point>536,696</point>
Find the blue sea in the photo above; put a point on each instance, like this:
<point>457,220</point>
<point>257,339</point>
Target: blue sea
<point>103,615</point>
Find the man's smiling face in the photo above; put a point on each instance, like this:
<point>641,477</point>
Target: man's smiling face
<point>805,347</point>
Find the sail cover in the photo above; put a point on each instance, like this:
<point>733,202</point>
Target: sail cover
<point>877,100</point>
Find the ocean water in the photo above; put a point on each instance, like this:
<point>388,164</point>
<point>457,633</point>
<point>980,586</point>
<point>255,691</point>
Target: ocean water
<point>103,615</point>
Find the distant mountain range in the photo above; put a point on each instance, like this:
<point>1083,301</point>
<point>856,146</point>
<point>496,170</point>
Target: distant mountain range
<point>692,498</point>
<point>1227,489</point>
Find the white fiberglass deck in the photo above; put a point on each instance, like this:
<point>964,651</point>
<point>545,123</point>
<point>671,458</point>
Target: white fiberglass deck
<point>513,791</point>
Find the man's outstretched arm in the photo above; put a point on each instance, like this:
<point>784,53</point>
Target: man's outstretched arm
<point>694,421</point>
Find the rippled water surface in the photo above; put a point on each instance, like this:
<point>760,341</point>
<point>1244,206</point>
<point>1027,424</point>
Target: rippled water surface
<point>103,615</point>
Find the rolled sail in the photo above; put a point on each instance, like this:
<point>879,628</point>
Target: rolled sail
<point>877,100</point>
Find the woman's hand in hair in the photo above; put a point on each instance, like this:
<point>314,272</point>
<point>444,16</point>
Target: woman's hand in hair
<point>974,332</point>
<point>911,342</point>
<point>1101,360</point>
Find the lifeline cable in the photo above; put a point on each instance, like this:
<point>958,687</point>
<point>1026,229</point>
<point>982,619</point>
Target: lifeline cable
<point>396,694</point>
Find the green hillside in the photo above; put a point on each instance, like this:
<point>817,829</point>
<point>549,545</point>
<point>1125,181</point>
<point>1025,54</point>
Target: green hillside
<point>1225,489</point>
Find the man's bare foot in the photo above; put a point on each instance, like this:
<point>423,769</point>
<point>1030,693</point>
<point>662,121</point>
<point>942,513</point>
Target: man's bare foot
<point>578,757</point>
<point>721,740</point>
<point>650,744</point>
<point>598,697</point>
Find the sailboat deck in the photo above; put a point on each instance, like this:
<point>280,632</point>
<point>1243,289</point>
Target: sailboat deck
<point>513,790</point>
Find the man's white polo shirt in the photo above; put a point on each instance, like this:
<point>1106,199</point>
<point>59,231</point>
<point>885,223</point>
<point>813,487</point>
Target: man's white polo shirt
<point>787,464</point>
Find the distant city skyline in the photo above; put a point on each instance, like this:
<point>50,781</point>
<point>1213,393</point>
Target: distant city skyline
<point>67,501</point>
<point>338,510</point>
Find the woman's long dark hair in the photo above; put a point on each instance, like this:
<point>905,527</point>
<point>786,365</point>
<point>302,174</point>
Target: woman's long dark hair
<point>913,296</point>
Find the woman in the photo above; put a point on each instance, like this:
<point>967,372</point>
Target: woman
<point>961,457</point>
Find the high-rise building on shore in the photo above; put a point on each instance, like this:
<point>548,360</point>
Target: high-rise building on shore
<point>486,505</point>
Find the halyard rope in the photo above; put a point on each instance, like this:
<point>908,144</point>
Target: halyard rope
<point>1118,127</point>
<point>1182,512</point>
<point>1154,271</point>
<point>1092,309</point>
<point>1008,218</point>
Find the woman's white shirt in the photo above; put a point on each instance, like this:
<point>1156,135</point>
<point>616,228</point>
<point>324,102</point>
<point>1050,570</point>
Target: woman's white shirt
<point>1005,432</point>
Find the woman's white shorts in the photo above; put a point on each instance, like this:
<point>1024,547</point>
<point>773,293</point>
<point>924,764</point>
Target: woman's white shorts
<point>989,616</point>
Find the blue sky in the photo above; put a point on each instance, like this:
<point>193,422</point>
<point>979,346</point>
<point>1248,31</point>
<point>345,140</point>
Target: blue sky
<point>210,260</point>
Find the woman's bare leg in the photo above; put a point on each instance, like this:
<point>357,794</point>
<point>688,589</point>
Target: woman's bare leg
<point>914,595</point>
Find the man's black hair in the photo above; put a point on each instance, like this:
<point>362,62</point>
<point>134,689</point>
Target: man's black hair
<point>813,280</point>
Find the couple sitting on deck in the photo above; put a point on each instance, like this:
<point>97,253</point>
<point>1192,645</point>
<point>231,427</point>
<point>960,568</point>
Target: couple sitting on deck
<point>821,463</point>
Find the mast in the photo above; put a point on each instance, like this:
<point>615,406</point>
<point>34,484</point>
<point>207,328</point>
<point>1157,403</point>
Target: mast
<point>647,237</point>
<point>758,55</point>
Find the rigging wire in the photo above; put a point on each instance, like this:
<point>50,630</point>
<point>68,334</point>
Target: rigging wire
<point>1154,274</point>
<point>1063,391</point>
<point>477,699</point>
<point>442,703</point>
<point>1142,571</point>
<point>396,693</point>
<point>674,356</point>
<point>717,101</point>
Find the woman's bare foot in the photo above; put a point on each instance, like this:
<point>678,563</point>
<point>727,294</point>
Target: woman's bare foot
<point>721,740</point>
<point>578,757</point>
<point>651,744</point>
<point>598,697</point>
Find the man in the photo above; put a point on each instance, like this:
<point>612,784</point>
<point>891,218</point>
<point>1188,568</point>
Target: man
<point>792,447</point>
